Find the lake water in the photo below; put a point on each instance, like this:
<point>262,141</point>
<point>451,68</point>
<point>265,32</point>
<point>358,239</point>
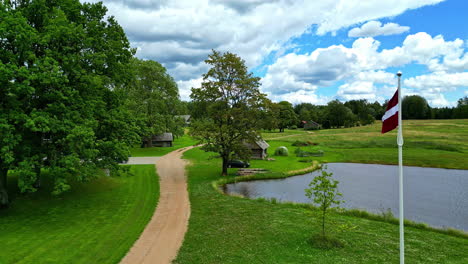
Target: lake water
<point>438,197</point>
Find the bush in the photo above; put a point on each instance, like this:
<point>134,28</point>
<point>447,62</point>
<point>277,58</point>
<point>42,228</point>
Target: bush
<point>299,143</point>
<point>282,151</point>
<point>293,127</point>
<point>301,153</point>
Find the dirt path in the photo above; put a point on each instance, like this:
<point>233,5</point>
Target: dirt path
<point>165,232</point>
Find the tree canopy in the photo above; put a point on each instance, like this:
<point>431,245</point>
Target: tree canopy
<point>415,107</point>
<point>153,99</point>
<point>232,101</point>
<point>60,62</point>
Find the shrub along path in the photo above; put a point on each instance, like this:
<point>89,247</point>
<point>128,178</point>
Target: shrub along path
<point>163,236</point>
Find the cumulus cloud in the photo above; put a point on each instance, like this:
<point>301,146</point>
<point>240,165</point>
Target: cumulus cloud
<point>362,67</point>
<point>375,28</point>
<point>438,81</point>
<point>186,86</point>
<point>185,31</point>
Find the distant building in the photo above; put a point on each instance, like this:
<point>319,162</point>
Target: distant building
<point>161,140</point>
<point>186,118</point>
<point>259,148</point>
<point>311,125</point>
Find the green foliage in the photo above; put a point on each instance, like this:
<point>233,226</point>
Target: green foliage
<point>232,100</point>
<point>338,115</point>
<point>300,143</point>
<point>281,151</point>
<point>415,107</point>
<point>59,64</point>
<point>287,117</point>
<point>323,190</point>
<point>153,99</point>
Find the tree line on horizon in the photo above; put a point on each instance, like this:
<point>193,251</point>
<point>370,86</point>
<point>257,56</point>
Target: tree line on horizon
<point>336,114</point>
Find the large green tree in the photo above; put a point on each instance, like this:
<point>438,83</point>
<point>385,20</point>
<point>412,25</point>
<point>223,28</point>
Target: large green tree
<point>338,115</point>
<point>233,102</point>
<point>415,107</point>
<point>153,99</point>
<point>60,62</point>
<point>287,117</point>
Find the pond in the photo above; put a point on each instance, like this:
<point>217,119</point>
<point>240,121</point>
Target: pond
<point>438,197</point>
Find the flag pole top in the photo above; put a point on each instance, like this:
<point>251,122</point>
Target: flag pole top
<point>399,73</point>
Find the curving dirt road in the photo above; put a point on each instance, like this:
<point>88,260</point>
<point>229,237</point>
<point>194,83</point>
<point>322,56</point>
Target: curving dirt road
<point>164,234</point>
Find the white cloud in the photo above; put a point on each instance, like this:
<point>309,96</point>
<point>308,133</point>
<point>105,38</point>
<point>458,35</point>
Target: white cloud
<point>186,86</point>
<point>185,31</point>
<point>362,68</point>
<point>301,96</point>
<point>438,81</point>
<point>375,28</point>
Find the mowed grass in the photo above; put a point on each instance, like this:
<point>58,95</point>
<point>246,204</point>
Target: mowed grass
<point>96,222</point>
<point>427,143</point>
<point>225,229</point>
<point>178,143</point>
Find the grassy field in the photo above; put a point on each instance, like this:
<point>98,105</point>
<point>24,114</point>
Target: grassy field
<point>225,229</point>
<point>428,143</point>
<point>178,143</point>
<point>96,222</point>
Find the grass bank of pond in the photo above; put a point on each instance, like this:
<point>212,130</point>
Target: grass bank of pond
<point>225,229</point>
<point>95,222</point>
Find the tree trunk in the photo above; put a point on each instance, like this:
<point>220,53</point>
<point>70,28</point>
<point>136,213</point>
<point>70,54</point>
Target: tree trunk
<point>3,188</point>
<point>225,167</point>
<point>37,184</point>
<point>323,223</point>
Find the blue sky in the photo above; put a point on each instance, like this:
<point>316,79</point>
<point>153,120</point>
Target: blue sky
<point>310,51</point>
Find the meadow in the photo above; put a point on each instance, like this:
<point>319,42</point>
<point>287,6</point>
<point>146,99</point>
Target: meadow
<point>95,222</point>
<point>427,143</point>
<point>226,229</point>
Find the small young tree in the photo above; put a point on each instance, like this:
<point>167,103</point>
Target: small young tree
<point>323,190</point>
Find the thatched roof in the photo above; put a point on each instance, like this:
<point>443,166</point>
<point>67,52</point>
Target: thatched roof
<point>163,137</point>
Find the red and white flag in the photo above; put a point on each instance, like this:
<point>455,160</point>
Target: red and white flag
<point>390,118</point>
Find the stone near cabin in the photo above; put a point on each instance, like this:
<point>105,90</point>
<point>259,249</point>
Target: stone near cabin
<point>161,140</point>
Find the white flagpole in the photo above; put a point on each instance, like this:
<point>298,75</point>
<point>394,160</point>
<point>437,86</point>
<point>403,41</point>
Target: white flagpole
<point>400,167</point>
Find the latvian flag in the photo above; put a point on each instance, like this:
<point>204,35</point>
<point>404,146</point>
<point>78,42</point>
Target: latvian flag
<point>390,118</point>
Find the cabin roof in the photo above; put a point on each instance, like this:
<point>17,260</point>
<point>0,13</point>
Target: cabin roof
<point>259,143</point>
<point>163,137</point>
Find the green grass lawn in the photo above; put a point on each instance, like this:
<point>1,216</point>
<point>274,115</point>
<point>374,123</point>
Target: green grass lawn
<point>225,229</point>
<point>96,222</point>
<point>178,143</point>
<point>428,143</point>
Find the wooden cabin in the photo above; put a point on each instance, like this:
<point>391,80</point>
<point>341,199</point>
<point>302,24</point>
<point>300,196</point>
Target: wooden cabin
<point>311,125</point>
<point>161,140</point>
<point>258,148</point>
